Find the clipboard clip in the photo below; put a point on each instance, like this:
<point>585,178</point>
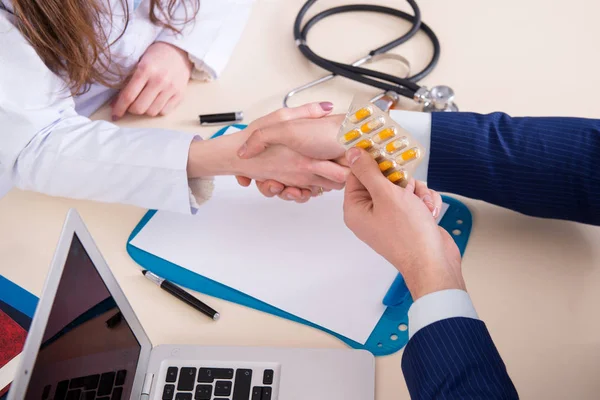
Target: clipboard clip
<point>397,293</point>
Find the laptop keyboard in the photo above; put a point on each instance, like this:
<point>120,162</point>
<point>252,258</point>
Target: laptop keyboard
<point>106,386</point>
<point>189,383</point>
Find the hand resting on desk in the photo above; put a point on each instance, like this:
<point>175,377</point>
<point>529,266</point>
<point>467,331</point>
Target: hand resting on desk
<point>157,83</point>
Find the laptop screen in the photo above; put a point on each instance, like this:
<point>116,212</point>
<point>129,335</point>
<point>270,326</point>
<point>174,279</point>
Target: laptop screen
<point>88,350</point>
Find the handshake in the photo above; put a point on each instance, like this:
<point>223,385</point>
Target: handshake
<point>294,154</point>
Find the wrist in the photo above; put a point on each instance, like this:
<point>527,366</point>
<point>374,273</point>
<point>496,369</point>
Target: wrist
<point>433,278</point>
<point>217,156</point>
<point>182,54</point>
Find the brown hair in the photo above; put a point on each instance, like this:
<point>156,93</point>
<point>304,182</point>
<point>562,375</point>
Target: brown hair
<point>69,37</point>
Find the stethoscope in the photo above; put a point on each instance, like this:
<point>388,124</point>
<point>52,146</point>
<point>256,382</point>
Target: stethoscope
<point>438,98</point>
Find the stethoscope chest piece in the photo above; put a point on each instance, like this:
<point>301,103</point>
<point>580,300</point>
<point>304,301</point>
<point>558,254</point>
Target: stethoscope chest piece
<point>438,98</point>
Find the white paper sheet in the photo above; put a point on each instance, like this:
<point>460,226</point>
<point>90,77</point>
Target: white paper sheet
<point>300,258</point>
<point>445,207</point>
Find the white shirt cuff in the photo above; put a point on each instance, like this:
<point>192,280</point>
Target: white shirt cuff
<point>201,189</point>
<point>418,124</point>
<point>434,307</point>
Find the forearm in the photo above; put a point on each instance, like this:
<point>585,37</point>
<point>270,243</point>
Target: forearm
<point>427,279</point>
<point>447,339</point>
<point>218,156</point>
<point>450,353</point>
<point>78,158</point>
<point>544,167</point>
<point>455,358</point>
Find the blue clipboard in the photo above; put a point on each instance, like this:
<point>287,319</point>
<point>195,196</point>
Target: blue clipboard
<point>390,334</point>
<point>17,298</point>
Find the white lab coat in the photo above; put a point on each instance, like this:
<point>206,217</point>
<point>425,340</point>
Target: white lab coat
<point>48,144</point>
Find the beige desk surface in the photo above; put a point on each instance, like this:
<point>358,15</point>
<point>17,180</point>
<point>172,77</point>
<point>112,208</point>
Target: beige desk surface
<point>536,283</point>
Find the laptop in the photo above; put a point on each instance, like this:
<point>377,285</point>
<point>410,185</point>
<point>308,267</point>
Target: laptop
<point>85,342</point>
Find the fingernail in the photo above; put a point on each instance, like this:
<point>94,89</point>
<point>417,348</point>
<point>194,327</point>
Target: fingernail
<point>242,150</point>
<point>289,197</point>
<point>352,155</point>
<point>436,212</point>
<point>275,189</point>
<point>429,202</point>
<point>114,118</point>
<point>326,106</point>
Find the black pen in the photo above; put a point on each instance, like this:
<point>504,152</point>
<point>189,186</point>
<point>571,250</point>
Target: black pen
<point>221,119</point>
<point>182,295</point>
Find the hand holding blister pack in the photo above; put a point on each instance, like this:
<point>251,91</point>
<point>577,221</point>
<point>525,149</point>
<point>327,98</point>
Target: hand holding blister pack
<point>367,127</point>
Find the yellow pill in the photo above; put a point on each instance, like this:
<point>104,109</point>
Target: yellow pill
<point>385,165</point>
<point>384,135</point>
<point>397,176</point>
<point>396,145</point>
<point>370,126</point>
<point>350,136</point>
<point>408,156</point>
<point>361,114</point>
<point>365,144</point>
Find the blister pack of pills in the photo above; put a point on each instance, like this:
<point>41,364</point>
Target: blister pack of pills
<point>368,127</point>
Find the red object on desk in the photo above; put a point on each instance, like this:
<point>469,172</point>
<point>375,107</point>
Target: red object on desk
<point>12,339</point>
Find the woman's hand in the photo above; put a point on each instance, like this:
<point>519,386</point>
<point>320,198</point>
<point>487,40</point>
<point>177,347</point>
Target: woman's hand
<point>314,137</point>
<point>312,134</point>
<point>157,84</point>
<point>291,168</point>
<point>399,224</point>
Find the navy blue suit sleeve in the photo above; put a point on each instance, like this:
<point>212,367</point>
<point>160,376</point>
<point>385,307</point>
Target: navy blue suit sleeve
<point>455,358</point>
<point>540,166</point>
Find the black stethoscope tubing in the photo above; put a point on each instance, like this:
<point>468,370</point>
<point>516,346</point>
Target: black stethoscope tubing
<point>403,86</point>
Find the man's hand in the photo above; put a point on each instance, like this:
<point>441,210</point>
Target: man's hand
<point>157,84</point>
<point>291,168</point>
<point>399,224</point>
<point>314,137</point>
<point>308,130</point>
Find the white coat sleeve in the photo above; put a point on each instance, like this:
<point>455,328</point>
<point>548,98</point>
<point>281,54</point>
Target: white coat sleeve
<point>45,146</point>
<point>211,38</point>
